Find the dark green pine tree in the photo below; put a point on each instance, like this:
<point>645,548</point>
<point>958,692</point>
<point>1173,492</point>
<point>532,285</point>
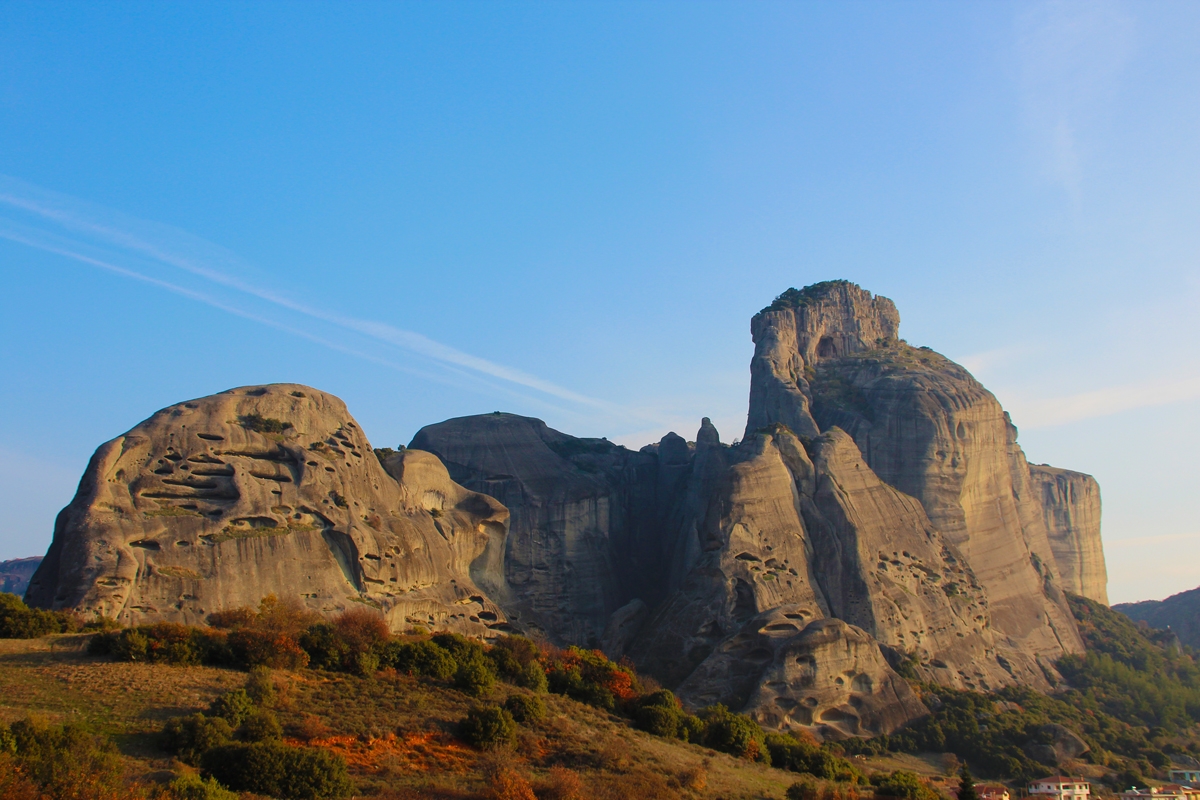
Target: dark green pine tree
<point>966,785</point>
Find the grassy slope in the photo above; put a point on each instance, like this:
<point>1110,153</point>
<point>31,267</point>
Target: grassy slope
<point>394,730</point>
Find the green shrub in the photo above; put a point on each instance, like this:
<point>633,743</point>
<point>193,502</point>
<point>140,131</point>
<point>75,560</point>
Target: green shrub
<point>19,621</point>
<point>533,678</point>
<point>235,707</point>
<point>193,736</point>
<point>488,727</point>
<point>260,687</point>
<point>798,755</point>
<point>252,647</point>
<point>526,709</point>
<point>804,789</point>
<point>906,785</point>
<point>422,658</point>
<point>277,770</point>
<point>260,726</point>
<point>658,721</point>
<point>735,734</point>
<point>163,643</point>
<point>193,787</point>
<point>261,424</point>
<point>475,678</point>
<point>62,758</point>
<point>326,650</point>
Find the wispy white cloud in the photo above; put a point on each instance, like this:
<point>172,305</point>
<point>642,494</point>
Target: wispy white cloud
<point>1048,412</point>
<point>155,245</point>
<point>1070,55</point>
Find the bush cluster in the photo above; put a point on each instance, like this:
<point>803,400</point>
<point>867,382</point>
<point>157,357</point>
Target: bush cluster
<point>590,677</point>
<point>19,621</point>
<point>238,742</point>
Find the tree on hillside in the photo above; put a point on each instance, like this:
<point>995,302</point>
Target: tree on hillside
<point>966,785</point>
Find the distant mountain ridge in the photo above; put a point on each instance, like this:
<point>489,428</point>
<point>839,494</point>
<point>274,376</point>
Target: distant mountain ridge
<point>1179,612</point>
<point>15,574</point>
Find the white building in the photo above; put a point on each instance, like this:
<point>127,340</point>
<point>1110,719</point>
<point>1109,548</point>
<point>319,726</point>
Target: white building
<point>1061,788</point>
<point>1168,792</point>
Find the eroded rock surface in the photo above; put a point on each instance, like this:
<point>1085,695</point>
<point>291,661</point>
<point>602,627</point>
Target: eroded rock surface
<point>582,509</point>
<point>1071,509</point>
<point>215,503</point>
<point>829,677</point>
<point>930,430</point>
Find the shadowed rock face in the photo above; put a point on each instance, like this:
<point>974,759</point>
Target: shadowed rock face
<point>1071,508</point>
<point>829,677</point>
<point>579,545</point>
<point>217,502</point>
<point>929,429</point>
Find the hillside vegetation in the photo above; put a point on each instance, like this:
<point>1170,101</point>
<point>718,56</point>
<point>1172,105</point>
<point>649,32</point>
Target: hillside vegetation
<point>1133,697</point>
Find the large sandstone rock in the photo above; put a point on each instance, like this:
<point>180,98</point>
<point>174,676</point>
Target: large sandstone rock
<point>217,502</point>
<point>829,678</point>
<point>822,537</point>
<point>579,541</point>
<point>1071,508</point>
<point>930,430</point>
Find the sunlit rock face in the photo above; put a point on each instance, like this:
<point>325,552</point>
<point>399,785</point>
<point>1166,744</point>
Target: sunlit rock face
<point>930,430</point>
<point>1071,507</point>
<point>217,502</point>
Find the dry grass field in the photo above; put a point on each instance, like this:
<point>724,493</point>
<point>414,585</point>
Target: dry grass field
<point>396,732</point>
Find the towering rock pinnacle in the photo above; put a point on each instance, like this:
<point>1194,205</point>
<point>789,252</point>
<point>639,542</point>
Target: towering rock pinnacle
<point>799,330</point>
<point>929,429</point>
<point>215,503</point>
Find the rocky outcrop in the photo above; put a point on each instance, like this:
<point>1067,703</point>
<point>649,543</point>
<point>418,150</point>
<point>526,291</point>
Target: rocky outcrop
<point>930,430</point>
<point>1070,504</point>
<point>829,678</point>
<point>815,531</point>
<point>1179,612</point>
<point>580,544</point>
<point>15,574</point>
<point>215,503</point>
<point>825,320</point>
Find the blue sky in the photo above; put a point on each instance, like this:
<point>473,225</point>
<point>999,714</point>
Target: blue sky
<point>572,210</point>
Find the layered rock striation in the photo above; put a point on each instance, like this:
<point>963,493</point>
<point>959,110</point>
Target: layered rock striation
<point>929,429</point>
<point>580,541</point>
<point>215,503</point>
<point>1071,510</point>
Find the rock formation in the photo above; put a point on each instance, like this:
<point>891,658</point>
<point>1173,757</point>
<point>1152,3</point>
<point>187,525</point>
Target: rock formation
<point>582,511</point>
<point>929,429</point>
<point>1071,507</point>
<point>878,516</point>
<point>215,503</point>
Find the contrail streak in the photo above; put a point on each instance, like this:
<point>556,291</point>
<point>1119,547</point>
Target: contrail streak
<point>156,246</point>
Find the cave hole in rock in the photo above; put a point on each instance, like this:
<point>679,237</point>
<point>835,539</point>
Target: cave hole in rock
<point>744,603</point>
<point>146,544</point>
<point>826,348</point>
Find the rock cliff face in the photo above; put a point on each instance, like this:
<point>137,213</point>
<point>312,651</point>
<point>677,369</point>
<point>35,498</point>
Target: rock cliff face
<point>217,502</point>
<point>582,514</point>
<point>929,429</point>
<point>1071,508</point>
